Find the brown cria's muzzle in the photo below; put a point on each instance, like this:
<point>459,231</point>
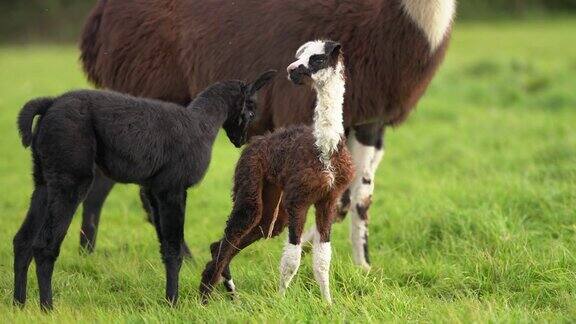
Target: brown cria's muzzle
<point>297,73</point>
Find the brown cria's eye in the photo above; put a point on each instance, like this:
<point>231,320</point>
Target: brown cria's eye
<point>318,59</point>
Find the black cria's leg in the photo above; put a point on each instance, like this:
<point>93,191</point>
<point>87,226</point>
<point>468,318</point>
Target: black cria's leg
<point>153,207</point>
<point>150,217</point>
<point>92,207</point>
<point>366,144</point>
<point>23,242</point>
<point>146,204</point>
<point>64,196</point>
<point>171,209</point>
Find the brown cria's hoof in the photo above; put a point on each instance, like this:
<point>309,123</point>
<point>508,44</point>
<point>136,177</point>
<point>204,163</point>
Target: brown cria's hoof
<point>205,291</point>
<point>204,297</point>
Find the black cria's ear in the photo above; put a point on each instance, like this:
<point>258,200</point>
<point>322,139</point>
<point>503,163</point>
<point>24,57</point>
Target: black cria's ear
<point>261,81</point>
<point>332,48</point>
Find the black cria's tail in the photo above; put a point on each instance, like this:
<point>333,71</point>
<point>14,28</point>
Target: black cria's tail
<point>30,110</point>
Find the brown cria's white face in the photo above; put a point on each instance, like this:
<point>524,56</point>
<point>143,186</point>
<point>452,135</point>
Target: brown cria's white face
<point>315,61</point>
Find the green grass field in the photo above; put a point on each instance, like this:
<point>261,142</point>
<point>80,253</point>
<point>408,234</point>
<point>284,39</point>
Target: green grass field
<point>474,215</point>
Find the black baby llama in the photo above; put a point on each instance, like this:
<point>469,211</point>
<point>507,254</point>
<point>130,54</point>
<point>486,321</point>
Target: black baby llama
<point>279,176</point>
<point>163,147</point>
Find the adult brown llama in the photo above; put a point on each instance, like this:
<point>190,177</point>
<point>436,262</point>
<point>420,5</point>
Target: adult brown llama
<point>171,49</point>
<point>280,175</point>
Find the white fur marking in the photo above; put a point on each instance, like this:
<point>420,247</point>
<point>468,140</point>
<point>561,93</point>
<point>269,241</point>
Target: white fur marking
<point>231,285</point>
<point>358,233</point>
<point>321,257</point>
<point>289,265</point>
<point>362,156</point>
<point>376,159</point>
<point>434,17</point>
<point>305,51</point>
<point>328,115</point>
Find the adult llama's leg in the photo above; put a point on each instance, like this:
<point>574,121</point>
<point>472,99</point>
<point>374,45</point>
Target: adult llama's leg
<point>92,207</point>
<point>366,144</point>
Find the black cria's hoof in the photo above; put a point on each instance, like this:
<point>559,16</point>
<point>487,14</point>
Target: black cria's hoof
<point>85,251</point>
<point>172,302</point>
<point>46,306</point>
<point>18,303</point>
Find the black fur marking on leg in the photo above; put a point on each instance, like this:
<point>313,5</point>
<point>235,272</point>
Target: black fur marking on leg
<point>370,134</point>
<point>366,254</point>
<point>362,210</point>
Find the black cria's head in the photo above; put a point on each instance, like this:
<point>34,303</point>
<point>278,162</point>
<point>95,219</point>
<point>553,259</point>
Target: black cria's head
<point>244,108</point>
<point>316,61</point>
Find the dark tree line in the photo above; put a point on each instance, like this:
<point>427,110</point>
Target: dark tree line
<point>61,20</point>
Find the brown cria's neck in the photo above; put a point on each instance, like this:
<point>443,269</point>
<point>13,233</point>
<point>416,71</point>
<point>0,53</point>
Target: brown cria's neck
<point>328,127</point>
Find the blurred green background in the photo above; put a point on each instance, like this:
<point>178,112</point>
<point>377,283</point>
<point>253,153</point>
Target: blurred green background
<point>61,20</point>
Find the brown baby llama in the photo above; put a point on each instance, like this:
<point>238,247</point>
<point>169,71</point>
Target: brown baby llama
<point>280,175</point>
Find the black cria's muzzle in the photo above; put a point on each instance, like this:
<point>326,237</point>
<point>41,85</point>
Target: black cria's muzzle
<point>298,74</point>
<point>238,142</point>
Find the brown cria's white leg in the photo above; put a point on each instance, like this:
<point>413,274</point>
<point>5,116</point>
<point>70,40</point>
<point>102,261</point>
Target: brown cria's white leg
<point>321,256</point>
<point>321,249</point>
<point>289,265</point>
<point>296,211</point>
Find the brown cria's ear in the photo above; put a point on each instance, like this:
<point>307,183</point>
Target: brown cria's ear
<point>260,82</point>
<point>332,48</point>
